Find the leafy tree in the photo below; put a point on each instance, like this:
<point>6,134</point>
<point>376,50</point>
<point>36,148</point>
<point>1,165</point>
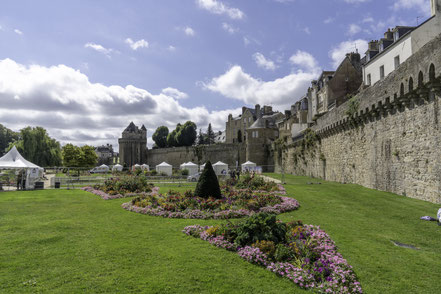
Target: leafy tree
<point>171,139</point>
<point>201,138</point>
<point>71,155</point>
<point>160,136</point>
<point>36,146</point>
<point>74,156</point>
<point>88,156</point>
<point>6,137</point>
<point>210,135</point>
<point>208,185</point>
<point>186,135</point>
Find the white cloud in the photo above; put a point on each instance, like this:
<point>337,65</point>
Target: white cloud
<point>353,29</point>
<point>138,44</point>
<point>338,53</point>
<point>217,7</point>
<point>281,93</point>
<point>73,109</point>
<point>263,62</point>
<point>171,48</point>
<point>99,48</point>
<point>356,1</point>
<point>422,5</point>
<point>305,61</point>
<point>246,41</point>
<point>18,32</point>
<point>329,20</point>
<point>188,31</point>
<point>229,28</point>
<point>175,93</point>
<point>368,19</point>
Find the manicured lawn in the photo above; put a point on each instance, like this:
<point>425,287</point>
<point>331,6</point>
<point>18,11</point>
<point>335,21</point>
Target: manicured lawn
<point>72,241</point>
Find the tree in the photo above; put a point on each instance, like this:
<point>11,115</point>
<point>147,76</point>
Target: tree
<point>160,136</point>
<point>201,138</point>
<point>210,135</point>
<point>186,135</point>
<point>6,137</point>
<point>88,156</point>
<point>71,155</point>
<point>36,146</point>
<point>171,139</point>
<point>74,156</point>
<point>208,185</point>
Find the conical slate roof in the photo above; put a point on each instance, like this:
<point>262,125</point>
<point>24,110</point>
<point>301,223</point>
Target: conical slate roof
<point>131,127</point>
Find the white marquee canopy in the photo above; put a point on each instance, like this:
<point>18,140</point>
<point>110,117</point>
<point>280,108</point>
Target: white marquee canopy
<point>14,160</point>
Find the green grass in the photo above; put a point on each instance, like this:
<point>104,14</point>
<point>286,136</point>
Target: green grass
<point>72,241</point>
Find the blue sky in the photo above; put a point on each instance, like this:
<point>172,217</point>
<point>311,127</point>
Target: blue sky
<point>85,69</point>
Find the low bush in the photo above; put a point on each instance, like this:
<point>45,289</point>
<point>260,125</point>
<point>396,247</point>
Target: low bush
<point>126,184</point>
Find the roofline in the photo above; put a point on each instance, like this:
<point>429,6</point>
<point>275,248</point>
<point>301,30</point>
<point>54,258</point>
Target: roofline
<point>398,41</point>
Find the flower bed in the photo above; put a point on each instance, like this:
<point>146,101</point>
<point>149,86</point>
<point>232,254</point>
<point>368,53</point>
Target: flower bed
<point>106,196</point>
<point>233,204</point>
<point>307,256</point>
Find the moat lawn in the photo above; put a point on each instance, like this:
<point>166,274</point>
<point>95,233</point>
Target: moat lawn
<point>72,241</point>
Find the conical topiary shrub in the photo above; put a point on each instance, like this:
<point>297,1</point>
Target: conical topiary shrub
<point>208,185</point>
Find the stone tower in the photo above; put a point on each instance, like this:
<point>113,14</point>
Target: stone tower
<point>133,145</point>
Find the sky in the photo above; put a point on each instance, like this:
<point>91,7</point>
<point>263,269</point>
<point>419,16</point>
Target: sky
<point>85,69</point>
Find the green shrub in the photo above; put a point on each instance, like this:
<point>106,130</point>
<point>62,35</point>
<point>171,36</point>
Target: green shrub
<point>153,172</point>
<point>266,247</point>
<point>283,253</point>
<point>258,227</point>
<point>208,185</point>
<point>184,172</point>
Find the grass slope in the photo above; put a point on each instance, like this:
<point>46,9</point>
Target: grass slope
<point>72,241</point>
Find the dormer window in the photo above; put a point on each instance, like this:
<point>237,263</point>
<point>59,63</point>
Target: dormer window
<point>381,47</point>
<point>396,35</point>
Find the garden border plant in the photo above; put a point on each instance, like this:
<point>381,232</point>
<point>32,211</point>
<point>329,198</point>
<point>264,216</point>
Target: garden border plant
<point>304,254</point>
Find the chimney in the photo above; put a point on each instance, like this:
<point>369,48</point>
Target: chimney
<point>267,109</point>
<point>257,109</point>
<point>373,45</point>
<point>388,35</point>
<point>287,114</point>
<point>434,7</point>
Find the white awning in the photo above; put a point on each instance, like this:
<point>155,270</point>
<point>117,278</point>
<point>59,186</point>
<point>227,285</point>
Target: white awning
<point>14,160</point>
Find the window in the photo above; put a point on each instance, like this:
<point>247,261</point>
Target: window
<point>368,80</point>
<point>381,47</point>
<point>397,61</point>
<point>249,119</point>
<point>255,134</point>
<point>381,71</point>
<point>396,35</point>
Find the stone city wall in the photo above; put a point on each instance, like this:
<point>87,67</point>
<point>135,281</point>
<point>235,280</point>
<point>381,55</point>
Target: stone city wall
<point>391,141</point>
<point>227,153</point>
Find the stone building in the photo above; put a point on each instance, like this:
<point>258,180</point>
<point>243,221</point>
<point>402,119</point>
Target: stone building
<point>261,134</point>
<point>236,126</point>
<point>133,145</point>
<point>387,54</point>
<point>106,155</point>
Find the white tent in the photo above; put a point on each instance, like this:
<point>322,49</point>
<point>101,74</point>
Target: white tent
<point>164,168</point>
<point>145,167</point>
<point>220,168</point>
<point>117,168</point>
<point>14,160</point>
<point>248,166</point>
<point>201,168</point>
<point>191,167</point>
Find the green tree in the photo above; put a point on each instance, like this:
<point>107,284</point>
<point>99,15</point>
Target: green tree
<point>88,156</point>
<point>160,136</point>
<point>71,155</point>
<point>201,138</point>
<point>36,146</point>
<point>171,138</point>
<point>74,156</point>
<point>208,185</point>
<point>210,135</point>
<point>186,135</point>
<point>6,137</point>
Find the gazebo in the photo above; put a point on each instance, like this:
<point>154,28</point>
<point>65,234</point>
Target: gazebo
<point>117,168</point>
<point>14,160</point>
<point>220,168</point>
<point>248,166</point>
<point>191,167</point>
<point>164,168</point>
